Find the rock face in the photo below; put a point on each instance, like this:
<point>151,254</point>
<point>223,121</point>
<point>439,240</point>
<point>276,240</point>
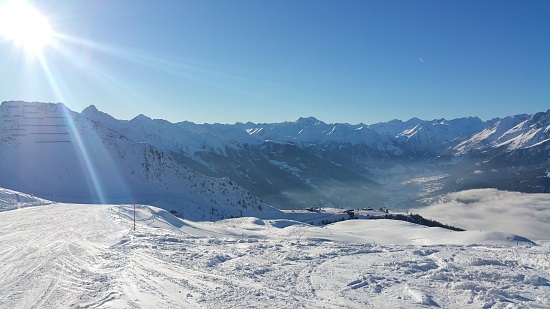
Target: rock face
<point>92,155</point>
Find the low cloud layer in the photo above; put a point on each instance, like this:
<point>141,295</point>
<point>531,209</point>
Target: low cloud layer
<point>490,209</point>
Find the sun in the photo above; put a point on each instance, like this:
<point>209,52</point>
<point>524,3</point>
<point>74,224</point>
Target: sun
<point>24,26</point>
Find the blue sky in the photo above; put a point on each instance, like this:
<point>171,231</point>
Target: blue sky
<point>271,61</point>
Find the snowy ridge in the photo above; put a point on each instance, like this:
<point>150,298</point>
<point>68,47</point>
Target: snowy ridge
<point>464,134</point>
<point>438,134</point>
<point>511,133</point>
<point>10,200</point>
<point>490,135</point>
<point>395,127</point>
<point>190,138</point>
<point>90,162</point>
<point>290,165</point>
<point>311,130</point>
<point>532,131</point>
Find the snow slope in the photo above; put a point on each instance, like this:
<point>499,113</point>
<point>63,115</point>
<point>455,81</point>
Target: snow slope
<point>56,256</point>
<point>438,134</point>
<point>50,151</point>
<point>70,255</point>
<point>511,133</point>
<point>10,200</point>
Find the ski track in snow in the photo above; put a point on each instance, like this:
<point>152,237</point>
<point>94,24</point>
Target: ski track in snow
<point>51,259</point>
<point>61,255</point>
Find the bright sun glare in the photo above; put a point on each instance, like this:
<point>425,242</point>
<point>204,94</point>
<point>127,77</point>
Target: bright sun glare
<point>24,26</point>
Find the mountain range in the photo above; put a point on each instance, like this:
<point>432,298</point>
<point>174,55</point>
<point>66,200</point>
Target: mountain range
<point>228,170</point>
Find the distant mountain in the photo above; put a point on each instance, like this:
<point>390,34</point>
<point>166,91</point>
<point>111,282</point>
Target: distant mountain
<point>432,137</point>
<point>396,164</point>
<point>52,152</point>
<point>489,136</point>
<point>511,154</point>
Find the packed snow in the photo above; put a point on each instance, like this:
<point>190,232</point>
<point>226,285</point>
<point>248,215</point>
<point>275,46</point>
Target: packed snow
<point>73,255</point>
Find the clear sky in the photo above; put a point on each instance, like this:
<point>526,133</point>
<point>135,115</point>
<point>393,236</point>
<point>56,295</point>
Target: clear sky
<point>270,61</point>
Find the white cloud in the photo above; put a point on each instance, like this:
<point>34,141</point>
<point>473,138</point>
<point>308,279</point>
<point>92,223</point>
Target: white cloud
<point>490,209</point>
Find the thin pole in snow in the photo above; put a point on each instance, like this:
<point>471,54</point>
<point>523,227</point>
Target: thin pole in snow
<point>134,213</point>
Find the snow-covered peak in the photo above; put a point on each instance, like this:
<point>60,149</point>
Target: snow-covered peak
<point>91,112</point>
<point>539,120</point>
<point>534,130</point>
<point>308,121</point>
<point>141,118</point>
<point>490,135</point>
<point>512,133</point>
<point>438,134</point>
<point>395,136</point>
<point>393,127</point>
<point>90,109</point>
